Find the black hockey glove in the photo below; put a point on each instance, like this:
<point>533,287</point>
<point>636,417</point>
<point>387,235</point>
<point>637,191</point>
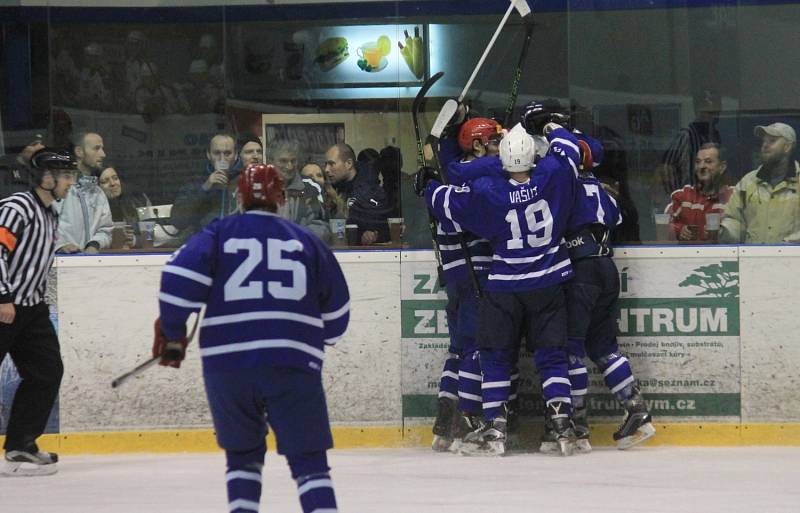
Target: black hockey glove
<point>423,176</point>
<point>171,352</point>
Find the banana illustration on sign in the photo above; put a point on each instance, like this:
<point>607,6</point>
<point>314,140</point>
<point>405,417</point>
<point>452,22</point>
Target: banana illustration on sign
<point>413,53</point>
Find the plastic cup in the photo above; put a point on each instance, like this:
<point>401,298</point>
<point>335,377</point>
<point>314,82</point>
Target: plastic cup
<point>118,236</point>
<point>662,226</point>
<point>712,226</point>
<point>396,229</point>
<point>147,233</point>
<point>352,234</point>
<point>338,232</point>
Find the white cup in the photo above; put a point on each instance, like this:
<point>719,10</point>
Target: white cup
<point>338,231</point>
<point>712,221</point>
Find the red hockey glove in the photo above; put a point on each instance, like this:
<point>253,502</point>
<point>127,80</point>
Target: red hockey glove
<point>587,163</point>
<point>172,352</point>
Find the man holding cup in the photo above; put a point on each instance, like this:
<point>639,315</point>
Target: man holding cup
<point>211,194</point>
<point>695,211</point>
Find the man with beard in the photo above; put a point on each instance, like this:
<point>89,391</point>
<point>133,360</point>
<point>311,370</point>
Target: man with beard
<point>84,222</point>
<point>764,207</point>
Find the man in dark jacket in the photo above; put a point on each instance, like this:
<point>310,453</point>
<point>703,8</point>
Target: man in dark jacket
<point>211,194</point>
<point>359,187</point>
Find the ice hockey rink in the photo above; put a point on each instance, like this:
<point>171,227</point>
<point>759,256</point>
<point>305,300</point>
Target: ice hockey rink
<point>652,480</point>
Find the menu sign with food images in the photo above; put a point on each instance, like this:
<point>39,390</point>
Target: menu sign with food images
<point>353,56</point>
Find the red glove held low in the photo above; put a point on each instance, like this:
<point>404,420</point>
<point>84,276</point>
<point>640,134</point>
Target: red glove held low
<point>172,352</point>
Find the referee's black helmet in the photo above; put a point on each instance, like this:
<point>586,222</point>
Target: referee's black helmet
<point>56,162</point>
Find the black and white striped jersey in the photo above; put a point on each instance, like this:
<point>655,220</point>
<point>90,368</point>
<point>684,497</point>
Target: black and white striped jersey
<point>27,241</point>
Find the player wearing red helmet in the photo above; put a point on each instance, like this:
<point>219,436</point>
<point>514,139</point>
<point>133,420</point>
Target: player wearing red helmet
<point>484,131</point>
<point>261,186</point>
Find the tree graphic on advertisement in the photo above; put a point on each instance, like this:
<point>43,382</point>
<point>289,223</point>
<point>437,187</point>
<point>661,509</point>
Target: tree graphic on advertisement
<point>718,280</point>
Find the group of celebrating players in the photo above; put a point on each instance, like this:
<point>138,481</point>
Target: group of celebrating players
<point>522,228</point>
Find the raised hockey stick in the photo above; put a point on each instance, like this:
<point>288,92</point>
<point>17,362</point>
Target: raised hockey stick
<point>526,44</point>
<point>149,363</point>
<point>416,107</point>
<point>451,106</point>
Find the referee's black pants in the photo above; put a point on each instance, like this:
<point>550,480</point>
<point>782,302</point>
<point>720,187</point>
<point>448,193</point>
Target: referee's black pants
<point>33,346</point>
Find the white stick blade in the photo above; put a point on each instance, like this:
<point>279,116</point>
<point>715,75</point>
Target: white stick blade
<point>448,110</point>
<point>522,7</point>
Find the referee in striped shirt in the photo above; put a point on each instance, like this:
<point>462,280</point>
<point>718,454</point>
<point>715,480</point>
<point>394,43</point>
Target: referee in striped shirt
<point>28,226</point>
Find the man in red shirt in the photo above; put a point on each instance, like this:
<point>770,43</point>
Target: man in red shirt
<point>690,204</point>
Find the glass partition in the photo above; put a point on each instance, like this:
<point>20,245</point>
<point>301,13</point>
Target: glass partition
<point>695,108</point>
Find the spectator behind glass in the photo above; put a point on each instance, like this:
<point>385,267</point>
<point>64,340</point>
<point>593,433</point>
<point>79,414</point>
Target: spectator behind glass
<point>690,204</point>
<point>389,167</point>
<point>368,156</point>
<point>154,97</point>
<point>677,168</point>
<point>123,204</point>
<point>304,203</point>
<point>333,204</point>
<point>613,174</point>
<point>14,172</point>
<point>84,216</point>
<point>136,60</point>
<point>365,199</point>
<point>250,150</point>
<point>764,207</point>
<point>211,193</point>
<point>94,91</point>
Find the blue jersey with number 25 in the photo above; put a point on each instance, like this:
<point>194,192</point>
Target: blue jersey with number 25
<point>274,293</point>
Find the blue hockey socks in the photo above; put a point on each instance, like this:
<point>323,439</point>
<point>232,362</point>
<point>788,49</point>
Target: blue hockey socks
<point>243,479</point>
<point>578,375</point>
<point>469,384</point>
<point>314,486</point>
<point>617,375</point>
<point>496,386</point>
<point>552,364</point>
<point>448,384</point>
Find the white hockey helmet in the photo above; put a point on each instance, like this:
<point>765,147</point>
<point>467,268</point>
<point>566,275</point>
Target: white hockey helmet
<point>517,150</point>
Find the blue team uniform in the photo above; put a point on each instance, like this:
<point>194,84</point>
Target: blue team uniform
<point>275,296</point>
<point>525,224</point>
<point>461,375</point>
<point>593,293</point>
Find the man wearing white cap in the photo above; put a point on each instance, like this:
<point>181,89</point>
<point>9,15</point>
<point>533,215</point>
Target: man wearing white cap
<point>765,206</point>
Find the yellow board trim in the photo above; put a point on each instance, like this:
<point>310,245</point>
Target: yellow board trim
<point>371,437</point>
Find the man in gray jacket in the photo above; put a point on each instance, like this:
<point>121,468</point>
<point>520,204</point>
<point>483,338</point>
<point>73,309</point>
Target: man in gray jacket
<point>84,216</point>
<point>304,204</point>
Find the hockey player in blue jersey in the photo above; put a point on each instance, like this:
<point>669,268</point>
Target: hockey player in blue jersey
<point>459,409</point>
<point>275,296</point>
<point>593,308</point>
<point>523,214</point>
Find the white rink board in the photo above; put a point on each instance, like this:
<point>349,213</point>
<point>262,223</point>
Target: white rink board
<point>107,304</point>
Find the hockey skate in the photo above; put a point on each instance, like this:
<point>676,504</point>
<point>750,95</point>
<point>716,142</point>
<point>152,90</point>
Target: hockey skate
<point>581,423</point>
<point>465,424</point>
<point>637,426</point>
<point>559,435</point>
<point>443,425</point>
<point>29,463</point>
<point>489,439</point>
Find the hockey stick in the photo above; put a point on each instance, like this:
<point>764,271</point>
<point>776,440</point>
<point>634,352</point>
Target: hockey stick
<point>526,44</point>
<point>416,106</point>
<point>152,361</point>
<point>451,106</point>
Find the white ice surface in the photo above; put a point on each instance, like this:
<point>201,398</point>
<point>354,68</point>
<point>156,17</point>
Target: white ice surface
<point>644,480</point>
